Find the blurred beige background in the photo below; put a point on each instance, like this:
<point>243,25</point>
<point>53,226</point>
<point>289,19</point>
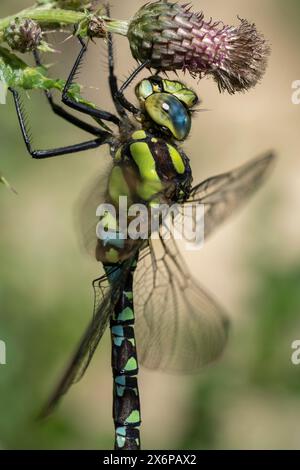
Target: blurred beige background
<point>45,289</point>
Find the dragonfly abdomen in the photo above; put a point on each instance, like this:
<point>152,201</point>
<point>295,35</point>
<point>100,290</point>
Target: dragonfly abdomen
<point>126,407</point>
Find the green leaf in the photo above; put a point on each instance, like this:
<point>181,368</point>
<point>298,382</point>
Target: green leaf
<point>15,73</point>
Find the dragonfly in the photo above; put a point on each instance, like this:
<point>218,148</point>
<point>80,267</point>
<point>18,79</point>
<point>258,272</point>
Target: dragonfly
<point>158,313</point>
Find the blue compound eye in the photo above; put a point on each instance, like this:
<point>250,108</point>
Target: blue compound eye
<point>167,111</point>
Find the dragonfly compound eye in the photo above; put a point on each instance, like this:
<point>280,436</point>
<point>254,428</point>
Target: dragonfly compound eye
<point>168,112</point>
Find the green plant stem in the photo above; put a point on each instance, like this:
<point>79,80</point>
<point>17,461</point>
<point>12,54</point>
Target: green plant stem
<point>58,17</point>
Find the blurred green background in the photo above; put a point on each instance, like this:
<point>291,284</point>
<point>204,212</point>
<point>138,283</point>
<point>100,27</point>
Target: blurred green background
<point>251,398</point>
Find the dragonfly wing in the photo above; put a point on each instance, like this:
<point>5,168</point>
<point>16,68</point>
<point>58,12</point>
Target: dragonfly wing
<point>179,327</point>
<point>224,194</point>
<point>106,296</point>
<point>85,213</point>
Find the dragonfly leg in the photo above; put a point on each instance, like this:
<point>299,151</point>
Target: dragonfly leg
<point>67,100</point>
<point>120,93</point>
<point>60,111</point>
<point>112,79</point>
<point>39,154</point>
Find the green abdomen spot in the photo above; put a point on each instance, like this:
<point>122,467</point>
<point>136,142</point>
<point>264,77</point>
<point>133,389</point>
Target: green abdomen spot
<point>134,417</point>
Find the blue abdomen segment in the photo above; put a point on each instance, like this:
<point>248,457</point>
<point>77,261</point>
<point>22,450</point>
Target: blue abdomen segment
<point>126,401</point>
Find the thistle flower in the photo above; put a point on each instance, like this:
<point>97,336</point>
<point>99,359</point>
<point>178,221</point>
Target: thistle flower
<point>23,35</point>
<point>172,37</point>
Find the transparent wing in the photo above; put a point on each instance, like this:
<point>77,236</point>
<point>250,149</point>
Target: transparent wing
<point>224,194</point>
<point>85,211</point>
<point>179,327</point>
<point>106,296</point>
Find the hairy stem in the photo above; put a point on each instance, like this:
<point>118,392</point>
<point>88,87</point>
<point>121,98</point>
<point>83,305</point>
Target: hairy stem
<point>58,17</point>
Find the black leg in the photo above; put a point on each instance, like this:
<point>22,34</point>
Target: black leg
<point>97,113</point>
<point>60,111</point>
<point>104,138</point>
<point>113,84</point>
<point>120,93</point>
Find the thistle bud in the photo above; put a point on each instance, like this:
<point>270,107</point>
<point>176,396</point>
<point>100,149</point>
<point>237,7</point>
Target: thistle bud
<point>23,35</point>
<point>96,27</point>
<point>172,37</point>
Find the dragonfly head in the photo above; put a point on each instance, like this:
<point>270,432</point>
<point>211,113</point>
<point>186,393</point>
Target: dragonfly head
<point>168,104</point>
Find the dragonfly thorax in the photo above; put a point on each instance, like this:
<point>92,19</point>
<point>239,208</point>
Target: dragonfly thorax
<point>149,171</point>
<point>149,168</point>
<point>159,168</point>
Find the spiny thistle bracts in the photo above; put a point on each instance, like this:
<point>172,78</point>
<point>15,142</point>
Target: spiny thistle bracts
<point>23,35</point>
<point>173,37</point>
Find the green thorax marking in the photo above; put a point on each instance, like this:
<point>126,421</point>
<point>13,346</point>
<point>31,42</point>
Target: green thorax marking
<point>117,185</point>
<point>143,157</point>
<point>176,159</point>
<point>157,163</point>
<point>151,154</point>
